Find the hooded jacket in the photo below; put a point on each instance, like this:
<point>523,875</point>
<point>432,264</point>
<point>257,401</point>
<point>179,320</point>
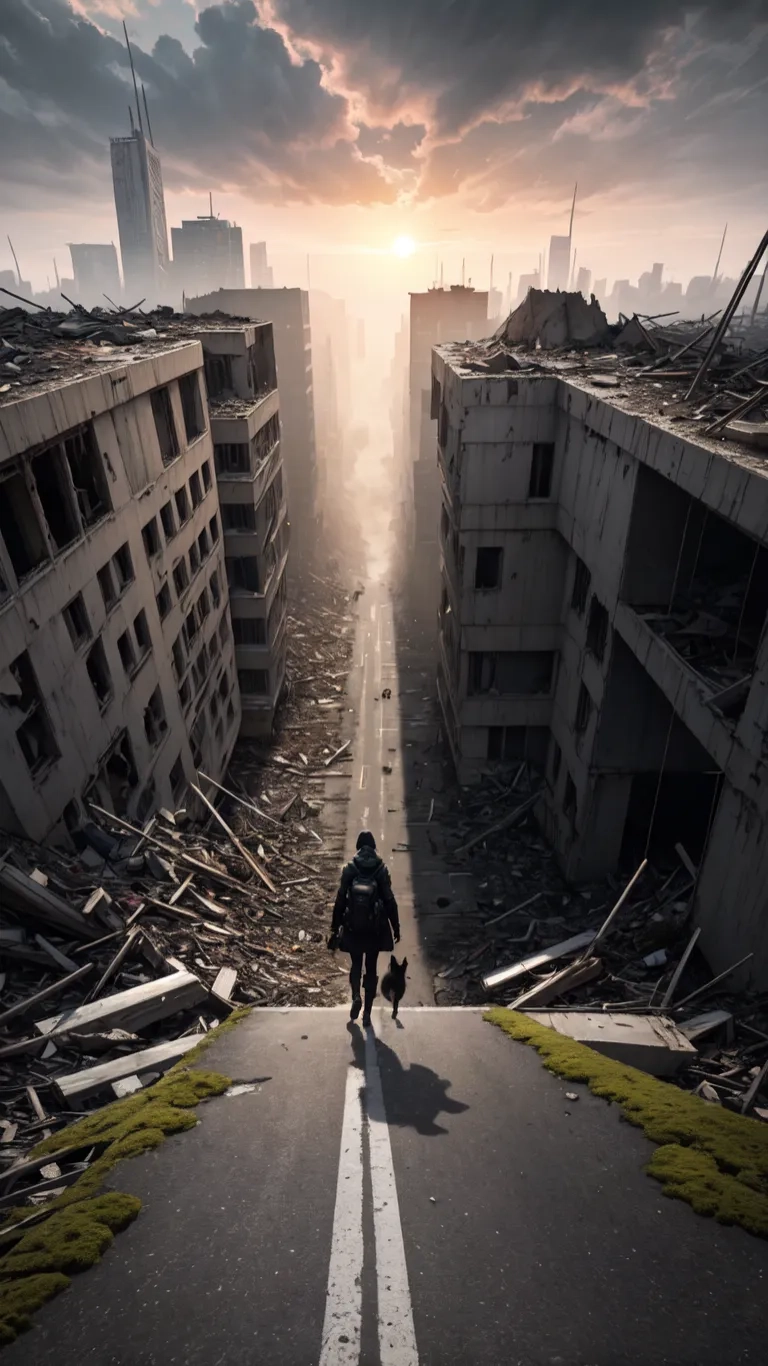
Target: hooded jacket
<point>367,864</point>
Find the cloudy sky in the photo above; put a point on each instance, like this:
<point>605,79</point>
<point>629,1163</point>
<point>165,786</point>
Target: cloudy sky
<point>332,126</point>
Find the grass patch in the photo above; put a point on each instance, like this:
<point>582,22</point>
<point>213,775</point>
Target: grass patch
<point>81,1223</point>
<point>715,1160</point>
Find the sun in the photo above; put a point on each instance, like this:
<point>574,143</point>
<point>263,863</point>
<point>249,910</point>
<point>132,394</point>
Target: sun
<point>403,246</point>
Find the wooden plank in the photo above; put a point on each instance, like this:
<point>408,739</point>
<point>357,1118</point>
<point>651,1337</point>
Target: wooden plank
<point>175,853</point>
<point>77,1086</point>
<point>521,907</point>
<point>720,977</point>
<point>575,975</point>
<point>30,901</point>
<point>58,957</point>
<point>114,963</point>
<point>677,974</point>
<point>538,960</point>
<point>180,890</point>
<point>22,1006</point>
<point>53,1183</point>
<point>36,1103</point>
<point>225,984</point>
<point>337,753</point>
<point>133,1009</point>
<point>751,1095</point>
<point>239,846</point>
<point>248,805</point>
<point>73,1153</point>
<point>211,906</point>
<point>499,825</point>
<point>615,910</point>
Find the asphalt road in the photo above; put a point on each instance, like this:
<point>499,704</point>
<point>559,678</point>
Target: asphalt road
<point>425,1196</point>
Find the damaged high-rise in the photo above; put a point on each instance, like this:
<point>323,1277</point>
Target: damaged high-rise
<point>603,616</point>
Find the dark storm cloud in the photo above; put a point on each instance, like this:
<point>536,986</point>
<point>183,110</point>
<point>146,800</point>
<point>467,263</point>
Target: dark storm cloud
<point>238,111</point>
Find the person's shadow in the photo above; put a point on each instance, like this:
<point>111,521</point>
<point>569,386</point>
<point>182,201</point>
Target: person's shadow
<point>413,1096</point>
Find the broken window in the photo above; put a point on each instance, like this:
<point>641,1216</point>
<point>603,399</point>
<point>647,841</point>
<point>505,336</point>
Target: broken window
<point>141,632</point>
<point>542,465</point>
<point>168,521</point>
<point>238,516</point>
<point>190,627</point>
<point>215,590</point>
<point>523,672</point>
<point>488,567</point>
<point>223,630</point>
<point>583,710</point>
<point>232,457</point>
<point>164,424</point>
<point>203,605</point>
<point>243,573</point>
<point>253,681</point>
<point>119,775</point>
<point>195,489</point>
<point>203,544</point>
<point>185,694</point>
<point>147,801</point>
<point>230,713</point>
<point>151,538</point>
<point>191,407</point>
<point>205,470</point>
<point>33,729</point>
<point>123,566</point>
<point>214,705</point>
<point>180,576</point>
<point>20,526</point>
<point>569,797</point>
<point>597,628</point>
<point>182,505</point>
<point>77,622</point>
<point>177,779</point>
<point>194,559</point>
<point>163,600</point>
<point>224,686</point>
<point>249,631</point>
<point>213,527</point>
<point>88,475</point>
<point>98,672</point>
<point>218,376</point>
<point>265,440</point>
<point>581,582</point>
<point>178,656</point>
<point>127,652</point>
<point>107,586</point>
<point>55,494</point>
<point>155,724</point>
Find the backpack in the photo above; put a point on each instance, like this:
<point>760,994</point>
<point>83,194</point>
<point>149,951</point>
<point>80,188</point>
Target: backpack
<point>362,917</point>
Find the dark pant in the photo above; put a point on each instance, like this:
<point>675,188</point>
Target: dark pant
<point>370,981</point>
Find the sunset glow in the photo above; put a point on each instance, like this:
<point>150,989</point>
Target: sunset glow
<point>403,247</point>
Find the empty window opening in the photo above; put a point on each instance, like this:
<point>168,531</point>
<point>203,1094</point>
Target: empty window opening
<point>203,605</point>
<point>583,710</point>
<point>513,743</point>
<point>165,427</point>
<point>203,544</point>
<point>33,728</point>
<point>168,521</point>
<point>182,505</point>
<point>218,376</point>
<point>205,470</point>
<point>249,631</point>
<point>178,656</point>
<point>223,630</point>
<point>20,526</point>
<point>542,465</point>
<point>155,724</point>
<point>597,628</point>
<point>488,567</point>
<point>213,527</point>
<point>150,535</point>
<point>253,682</point>
<point>72,819</point>
<point>185,694</point>
<point>581,583</point>
<point>98,672</point>
<point>147,801</point>
<point>509,672</point>
<point>123,566</point>
<point>127,652</point>
<point>196,737</point>
<point>120,776</point>
<point>556,761</point>
<point>180,576</point>
<point>141,631</point>
<point>224,686</point>
<point>88,475</point>
<point>569,798</point>
<point>194,559</point>
<point>190,627</point>
<point>265,440</point>
<point>177,779</point>
<point>164,602</point>
<point>230,713</point>
<point>214,706</point>
<point>232,457</point>
<point>76,618</point>
<point>243,573</point>
<point>107,585</point>
<point>191,407</point>
<point>195,489</point>
<point>238,516</point>
<point>215,589</point>
<point>55,494</point>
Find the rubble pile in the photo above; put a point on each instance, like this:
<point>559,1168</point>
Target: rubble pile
<point>117,959</point>
<point>604,951</point>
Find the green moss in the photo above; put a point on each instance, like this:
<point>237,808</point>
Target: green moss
<point>81,1223</point>
<point>715,1160</point>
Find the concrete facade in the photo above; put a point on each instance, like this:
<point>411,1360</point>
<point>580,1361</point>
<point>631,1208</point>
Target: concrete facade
<point>117,665</point>
<point>137,179</point>
<point>573,532</point>
<point>245,425</point>
<point>288,311</point>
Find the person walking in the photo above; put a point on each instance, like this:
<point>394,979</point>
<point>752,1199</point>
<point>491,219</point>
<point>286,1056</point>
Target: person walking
<point>365,920</point>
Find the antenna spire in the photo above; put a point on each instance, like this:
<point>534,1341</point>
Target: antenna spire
<point>133,73</point>
<point>573,206</point>
<point>146,113</point>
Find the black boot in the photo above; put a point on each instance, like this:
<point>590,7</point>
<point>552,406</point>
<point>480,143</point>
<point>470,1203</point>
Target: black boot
<point>354,982</point>
<point>370,984</point>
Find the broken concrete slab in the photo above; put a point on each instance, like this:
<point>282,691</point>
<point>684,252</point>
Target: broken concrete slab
<point>133,1009</point>
<point>700,1025</point>
<point>651,1043</point>
<point>77,1086</point>
<point>575,975</point>
<point>538,960</point>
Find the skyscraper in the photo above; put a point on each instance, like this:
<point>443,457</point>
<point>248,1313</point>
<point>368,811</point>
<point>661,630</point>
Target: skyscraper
<point>94,266</point>
<point>207,255</point>
<point>140,204</point>
<point>262,275</point>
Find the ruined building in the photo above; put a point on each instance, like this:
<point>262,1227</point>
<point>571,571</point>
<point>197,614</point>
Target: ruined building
<point>118,660</point>
<point>137,180</point>
<point>288,311</point>
<point>604,599</point>
<point>245,426</point>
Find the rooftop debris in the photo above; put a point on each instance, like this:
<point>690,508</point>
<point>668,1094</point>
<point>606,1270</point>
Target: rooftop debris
<point>181,922</point>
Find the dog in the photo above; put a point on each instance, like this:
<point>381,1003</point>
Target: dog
<point>386,693</point>
<point>393,983</point>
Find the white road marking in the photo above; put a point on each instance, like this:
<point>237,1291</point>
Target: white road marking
<point>397,1335</point>
<point>344,1302</point>
<point>363,776</point>
<point>373,611</point>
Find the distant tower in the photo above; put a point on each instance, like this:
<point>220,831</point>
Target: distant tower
<point>140,205</point>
